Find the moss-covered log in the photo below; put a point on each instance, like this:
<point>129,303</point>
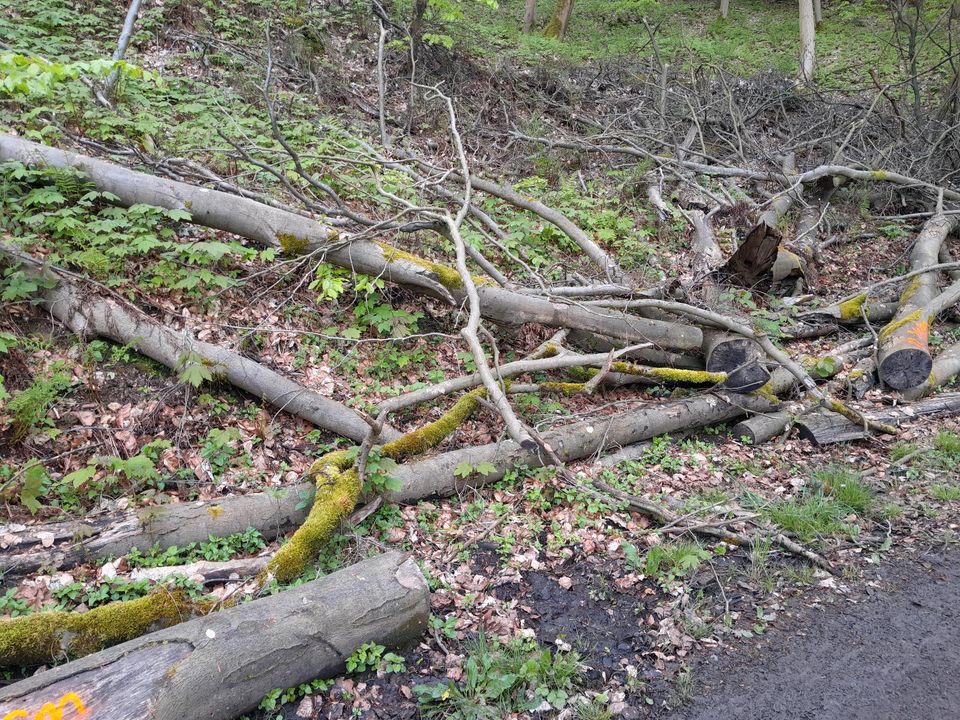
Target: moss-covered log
<point>62,545</point>
<point>221,665</point>
<point>339,485</point>
<point>52,636</point>
<point>904,359</point>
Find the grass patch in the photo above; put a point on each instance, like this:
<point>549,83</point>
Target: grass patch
<point>845,487</point>
<point>945,493</point>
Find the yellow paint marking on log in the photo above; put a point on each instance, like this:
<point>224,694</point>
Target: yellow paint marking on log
<point>49,711</point>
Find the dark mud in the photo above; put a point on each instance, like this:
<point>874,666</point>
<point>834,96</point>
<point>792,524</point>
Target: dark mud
<point>891,654</point>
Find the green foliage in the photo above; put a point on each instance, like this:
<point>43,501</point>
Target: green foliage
<point>32,77</point>
<point>379,467</point>
<point>945,492</point>
<point>668,561</point>
<point>33,486</point>
<point>117,589</point>
<point>498,679</point>
<point>371,656</point>
<point>11,606</point>
<point>59,209</point>
<point>29,407</point>
<point>466,469</point>
<point>277,697</point>
<point>217,549</point>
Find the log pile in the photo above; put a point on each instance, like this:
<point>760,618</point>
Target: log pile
<point>685,334</point>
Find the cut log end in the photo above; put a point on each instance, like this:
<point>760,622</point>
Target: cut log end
<point>738,357</point>
<point>906,368</point>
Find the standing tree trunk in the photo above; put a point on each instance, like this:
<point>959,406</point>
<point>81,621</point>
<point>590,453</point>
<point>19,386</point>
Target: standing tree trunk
<point>529,15</point>
<point>724,8</point>
<point>808,49</point>
<point>122,44</point>
<point>817,12</point>
<point>416,27</point>
<point>557,27</point>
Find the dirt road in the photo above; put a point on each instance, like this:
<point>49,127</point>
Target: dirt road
<point>892,656</point>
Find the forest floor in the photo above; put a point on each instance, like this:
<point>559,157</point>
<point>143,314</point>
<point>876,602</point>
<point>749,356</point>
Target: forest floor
<point>627,624</point>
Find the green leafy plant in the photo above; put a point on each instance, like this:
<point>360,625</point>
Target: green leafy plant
<point>502,678</point>
<point>29,407</point>
<point>248,542</point>
<point>670,561</point>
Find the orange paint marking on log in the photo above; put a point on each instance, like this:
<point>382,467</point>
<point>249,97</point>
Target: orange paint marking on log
<point>49,711</point>
<point>919,335</point>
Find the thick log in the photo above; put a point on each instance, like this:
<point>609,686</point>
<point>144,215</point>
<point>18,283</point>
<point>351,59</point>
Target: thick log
<point>221,665</point>
<point>275,227</point>
<point>904,359</point>
<point>438,475</point>
<point>741,358</point>
<point>826,427</point>
<point>88,314</point>
<point>64,545</point>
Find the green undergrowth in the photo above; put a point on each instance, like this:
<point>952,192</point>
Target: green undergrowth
<point>215,548</point>
<point>756,36</point>
<point>831,505</point>
<point>502,678</point>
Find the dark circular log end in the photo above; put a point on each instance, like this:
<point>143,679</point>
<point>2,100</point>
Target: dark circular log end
<point>739,358</point>
<point>906,368</point>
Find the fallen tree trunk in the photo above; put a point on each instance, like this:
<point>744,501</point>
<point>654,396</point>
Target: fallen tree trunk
<point>826,427</point>
<point>294,233</point>
<point>63,545</point>
<point>903,359</point>
<point>221,665</point>
<point>763,426</point>
<point>438,475</point>
<point>88,314</point>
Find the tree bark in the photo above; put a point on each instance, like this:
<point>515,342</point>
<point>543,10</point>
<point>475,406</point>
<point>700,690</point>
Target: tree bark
<point>125,34</point>
<point>904,359</point>
<point>221,665</point>
<point>808,35</point>
<point>724,8</point>
<point>529,15</point>
<point>274,227</point>
<point>87,314</point>
<point>760,428</point>
<point>557,27</point>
